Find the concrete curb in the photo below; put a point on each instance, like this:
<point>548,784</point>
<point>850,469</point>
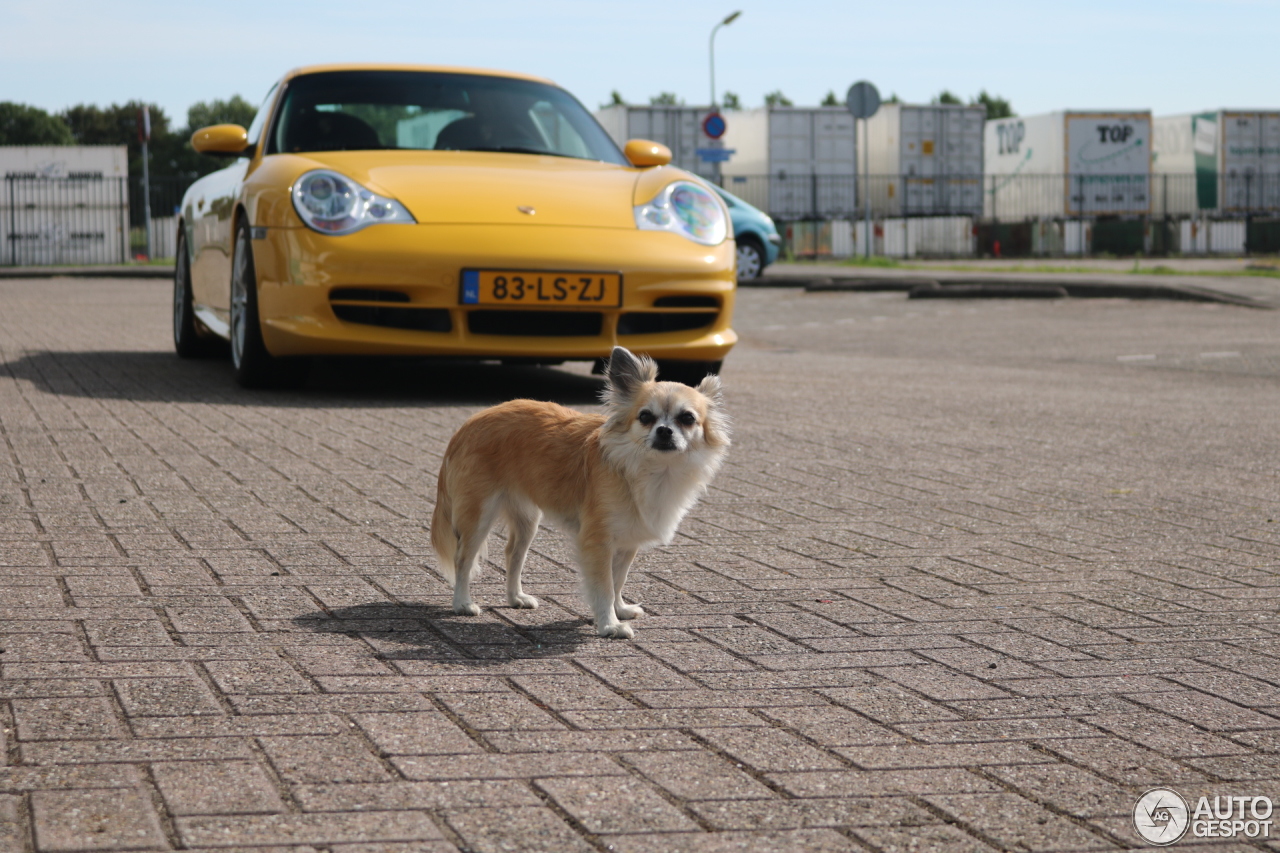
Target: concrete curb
<point>87,272</point>
<point>1012,287</point>
<point>933,290</point>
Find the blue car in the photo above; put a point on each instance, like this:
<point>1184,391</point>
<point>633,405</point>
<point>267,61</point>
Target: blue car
<point>757,238</point>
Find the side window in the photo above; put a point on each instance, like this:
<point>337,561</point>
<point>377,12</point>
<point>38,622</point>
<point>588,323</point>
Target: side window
<point>260,118</point>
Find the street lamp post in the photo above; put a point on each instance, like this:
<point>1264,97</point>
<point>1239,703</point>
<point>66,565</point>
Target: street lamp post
<point>728,20</point>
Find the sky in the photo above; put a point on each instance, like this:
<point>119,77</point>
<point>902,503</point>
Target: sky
<point>1169,56</point>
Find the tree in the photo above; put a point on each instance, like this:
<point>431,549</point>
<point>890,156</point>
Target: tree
<point>777,99</point>
<point>24,125</point>
<point>997,107</point>
<point>831,100</point>
<point>893,99</point>
<point>615,100</point>
<point>946,97</point>
<point>114,125</point>
<point>234,110</point>
<point>665,99</point>
<point>732,101</point>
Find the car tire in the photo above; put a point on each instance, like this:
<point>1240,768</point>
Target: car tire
<point>188,340</point>
<point>252,364</point>
<point>750,259</point>
<point>686,372</point>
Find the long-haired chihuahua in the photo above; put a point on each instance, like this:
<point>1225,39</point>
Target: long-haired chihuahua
<point>616,483</point>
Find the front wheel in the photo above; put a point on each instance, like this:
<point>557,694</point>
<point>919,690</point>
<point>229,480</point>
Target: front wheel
<point>253,366</point>
<point>188,341</point>
<point>686,372</point>
<point>750,260</point>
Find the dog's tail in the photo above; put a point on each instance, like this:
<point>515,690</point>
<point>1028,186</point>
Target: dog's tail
<point>443,537</point>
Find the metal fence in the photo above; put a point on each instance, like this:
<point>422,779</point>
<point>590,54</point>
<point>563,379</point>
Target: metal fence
<point>85,219</point>
<point>1019,214</point>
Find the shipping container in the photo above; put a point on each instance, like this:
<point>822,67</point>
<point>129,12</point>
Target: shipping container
<point>1234,155</point>
<point>1068,164</point>
<point>64,204</point>
<point>807,155</point>
<point>678,128</point>
<point>927,159</point>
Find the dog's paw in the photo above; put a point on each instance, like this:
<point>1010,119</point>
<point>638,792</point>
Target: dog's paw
<point>616,632</point>
<point>628,611</point>
<point>468,609</point>
<point>523,602</point>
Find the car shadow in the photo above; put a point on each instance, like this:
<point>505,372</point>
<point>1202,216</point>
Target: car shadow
<point>332,382</point>
<point>432,632</point>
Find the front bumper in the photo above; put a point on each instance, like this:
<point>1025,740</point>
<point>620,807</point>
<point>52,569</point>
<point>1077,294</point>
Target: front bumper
<point>677,296</point>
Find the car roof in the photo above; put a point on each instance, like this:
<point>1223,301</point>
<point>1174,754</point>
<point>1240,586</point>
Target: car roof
<point>395,66</point>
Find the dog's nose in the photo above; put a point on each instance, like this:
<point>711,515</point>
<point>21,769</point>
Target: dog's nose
<point>664,432</point>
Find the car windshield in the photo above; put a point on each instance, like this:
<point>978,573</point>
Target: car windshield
<point>423,110</point>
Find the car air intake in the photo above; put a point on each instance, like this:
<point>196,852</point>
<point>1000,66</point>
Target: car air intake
<point>366,294</point>
<point>686,302</point>
<point>653,322</point>
<point>416,319</point>
<point>543,324</point>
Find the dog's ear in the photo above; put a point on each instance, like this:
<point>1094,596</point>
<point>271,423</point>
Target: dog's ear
<point>716,428</point>
<point>627,373</point>
<point>710,388</point>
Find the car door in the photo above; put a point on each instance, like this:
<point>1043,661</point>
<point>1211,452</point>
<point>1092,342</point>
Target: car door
<point>213,219</point>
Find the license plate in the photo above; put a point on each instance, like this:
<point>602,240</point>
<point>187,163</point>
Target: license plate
<point>559,289</point>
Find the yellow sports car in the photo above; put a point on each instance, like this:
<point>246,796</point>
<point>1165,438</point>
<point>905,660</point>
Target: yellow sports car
<point>406,210</point>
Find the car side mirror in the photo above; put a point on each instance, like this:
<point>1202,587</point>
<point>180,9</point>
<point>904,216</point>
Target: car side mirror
<point>644,153</point>
<point>221,140</point>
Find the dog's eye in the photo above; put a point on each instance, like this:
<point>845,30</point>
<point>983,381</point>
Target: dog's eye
<point>687,419</point>
<point>646,418</point>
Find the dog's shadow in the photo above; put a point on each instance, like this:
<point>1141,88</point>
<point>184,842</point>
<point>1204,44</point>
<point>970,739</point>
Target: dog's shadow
<point>432,632</point>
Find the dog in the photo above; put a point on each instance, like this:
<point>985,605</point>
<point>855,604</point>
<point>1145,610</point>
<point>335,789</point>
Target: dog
<point>616,482</point>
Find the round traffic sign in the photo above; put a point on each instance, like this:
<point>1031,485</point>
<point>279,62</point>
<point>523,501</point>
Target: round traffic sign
<point>714,126</point>
<point>863,99</point>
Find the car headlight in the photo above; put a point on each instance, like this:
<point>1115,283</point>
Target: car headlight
<point>687,209</point>
<point>332,203</point>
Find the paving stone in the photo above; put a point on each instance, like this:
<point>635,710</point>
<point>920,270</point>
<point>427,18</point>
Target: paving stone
<point>455,794</point>
<point>606,804</point>
<point>487,711</point>
<point>415,733</point>
<point>863,783</point>
<point>110,819</point>
<point>938,838</point>
<point>785,814</point>
<point>322,829</point>
<point>697,775</point>
<point>1015,822</point>
<point>166,697</point>
<point>260,676</point>
<point>809,840</point>
<point>1068,789</point>
<point>324,758</point>
<point>216,787</point>
<point>768,749</point>
<point>505,830</point>
<point>83,718</point>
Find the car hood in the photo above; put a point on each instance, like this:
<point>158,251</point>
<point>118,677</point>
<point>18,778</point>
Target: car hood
<point>464,187</point>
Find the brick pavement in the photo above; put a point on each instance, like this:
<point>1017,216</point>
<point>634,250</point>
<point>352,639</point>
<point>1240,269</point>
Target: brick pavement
<point>974,577</point>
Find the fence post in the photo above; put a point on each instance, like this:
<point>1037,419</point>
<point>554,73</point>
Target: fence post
<point>1248,209</point>
<point>1167,236</point>
<point>122,183</point>
<point>13,223</point>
